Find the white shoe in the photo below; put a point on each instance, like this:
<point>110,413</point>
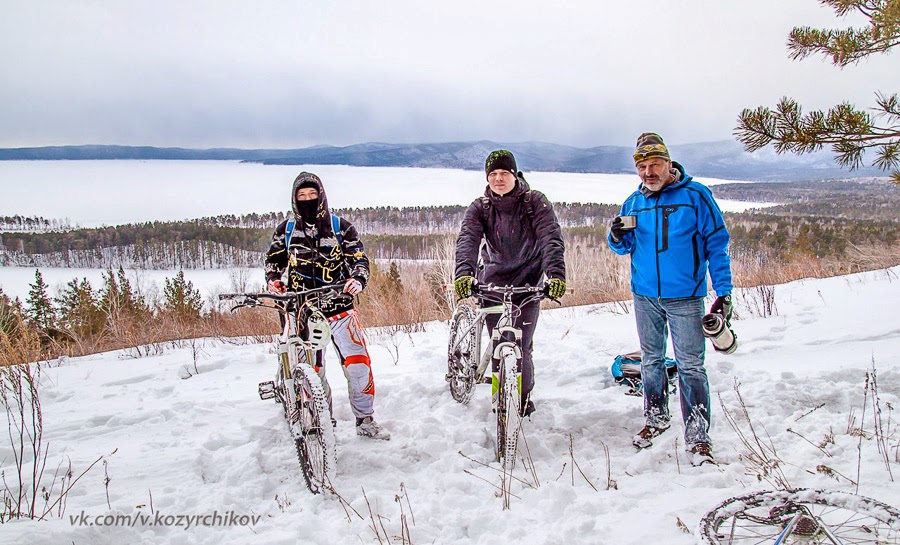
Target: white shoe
<point>369,428</point>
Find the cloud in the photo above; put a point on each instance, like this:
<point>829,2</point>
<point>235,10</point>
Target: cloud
<point>287,74</point>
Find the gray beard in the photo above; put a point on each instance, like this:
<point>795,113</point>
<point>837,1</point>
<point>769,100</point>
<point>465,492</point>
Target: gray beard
<point>675,177</point>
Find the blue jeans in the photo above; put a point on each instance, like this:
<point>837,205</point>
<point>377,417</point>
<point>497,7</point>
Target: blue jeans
<point>655,317</point>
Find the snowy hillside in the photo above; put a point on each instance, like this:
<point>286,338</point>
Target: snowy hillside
<point>204,444</point>
<point>724,158</point>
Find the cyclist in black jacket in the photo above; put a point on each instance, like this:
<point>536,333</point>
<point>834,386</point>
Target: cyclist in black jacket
<point>523,246</point>
<point>315,248</point>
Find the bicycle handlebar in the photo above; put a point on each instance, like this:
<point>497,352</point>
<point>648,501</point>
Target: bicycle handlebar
<point>492,288</point>
<point>538,292</point>
<point>253,299</point>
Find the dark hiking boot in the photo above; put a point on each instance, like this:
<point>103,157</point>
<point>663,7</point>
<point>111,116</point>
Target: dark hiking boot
<point>701,453</point>
<point>643,437</point>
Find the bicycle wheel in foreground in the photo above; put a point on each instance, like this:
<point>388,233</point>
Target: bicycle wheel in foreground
<point>810,517</point>
<point>508,419</point>
<point>462,359</point>
<point>312,430</point>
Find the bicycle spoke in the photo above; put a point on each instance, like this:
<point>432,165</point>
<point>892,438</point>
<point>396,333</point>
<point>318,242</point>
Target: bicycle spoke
<point>801,516</point>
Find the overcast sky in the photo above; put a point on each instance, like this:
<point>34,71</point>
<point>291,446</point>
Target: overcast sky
<point>282,74</point>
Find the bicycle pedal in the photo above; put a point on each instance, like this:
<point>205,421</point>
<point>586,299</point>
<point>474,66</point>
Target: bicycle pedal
<point>267,390</point>
<point>485,380</point>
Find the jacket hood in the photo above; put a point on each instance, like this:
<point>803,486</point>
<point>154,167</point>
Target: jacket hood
<point>323,213</point>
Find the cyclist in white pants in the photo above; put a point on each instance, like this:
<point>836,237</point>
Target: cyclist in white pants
<point>317,248</point>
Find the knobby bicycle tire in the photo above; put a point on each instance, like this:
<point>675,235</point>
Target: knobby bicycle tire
<point>507,410</point>
<point>762,518</point>
<point>312,430</point>
<point>462,360</point>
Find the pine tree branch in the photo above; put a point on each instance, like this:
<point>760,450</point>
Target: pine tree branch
<point>847,131</point>
<point>850,45</point>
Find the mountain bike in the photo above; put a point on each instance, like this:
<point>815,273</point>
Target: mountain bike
<point>810,517</point>
<point>466,366</point>
<point>297,386</point>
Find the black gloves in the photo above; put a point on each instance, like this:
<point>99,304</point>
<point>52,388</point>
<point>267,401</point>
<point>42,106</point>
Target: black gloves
<point>723,306</point>
<point>617,229</point>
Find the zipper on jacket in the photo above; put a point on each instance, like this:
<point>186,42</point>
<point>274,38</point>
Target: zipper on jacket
<point>665,226</point>
<point>656,213</point>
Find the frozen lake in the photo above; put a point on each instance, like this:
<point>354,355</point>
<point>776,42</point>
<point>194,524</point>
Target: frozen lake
<point>97,193</point>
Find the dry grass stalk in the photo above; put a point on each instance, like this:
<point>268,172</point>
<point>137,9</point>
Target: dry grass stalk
<point>27,494</point>
<point>762,459</point>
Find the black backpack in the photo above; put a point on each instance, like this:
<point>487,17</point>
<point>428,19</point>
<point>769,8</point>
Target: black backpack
<point>528,201</point>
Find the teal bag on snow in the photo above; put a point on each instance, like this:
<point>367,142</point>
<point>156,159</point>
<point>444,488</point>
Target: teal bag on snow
<point>626,370</point>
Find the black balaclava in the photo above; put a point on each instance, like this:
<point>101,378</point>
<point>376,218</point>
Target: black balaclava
<point>307,209</point>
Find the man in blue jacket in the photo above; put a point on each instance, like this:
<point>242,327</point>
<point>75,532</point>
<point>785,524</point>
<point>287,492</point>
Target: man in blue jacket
<point>675,233</point>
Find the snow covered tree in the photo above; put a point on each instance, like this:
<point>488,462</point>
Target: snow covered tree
<point>39,310</point>
<point>849,131</point>
<point>182,299</point>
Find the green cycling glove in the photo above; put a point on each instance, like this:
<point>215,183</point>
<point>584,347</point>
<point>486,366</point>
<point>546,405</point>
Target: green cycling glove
<point>556,288</point>
<point>463,286</point>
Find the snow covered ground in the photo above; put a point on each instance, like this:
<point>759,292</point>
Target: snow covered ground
<point>190,443</point>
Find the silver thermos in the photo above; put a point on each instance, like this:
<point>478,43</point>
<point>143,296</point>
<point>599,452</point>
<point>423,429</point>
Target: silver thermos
<point>717,330</point>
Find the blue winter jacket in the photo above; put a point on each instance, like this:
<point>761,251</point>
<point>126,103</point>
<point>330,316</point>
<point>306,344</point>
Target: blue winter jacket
<point>680,235</point>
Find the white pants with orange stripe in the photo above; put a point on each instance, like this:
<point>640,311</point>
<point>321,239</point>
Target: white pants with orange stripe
<point>350,343</point>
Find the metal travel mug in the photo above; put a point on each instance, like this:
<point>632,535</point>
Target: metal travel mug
<point>628,222</point>
<point>716,329</point>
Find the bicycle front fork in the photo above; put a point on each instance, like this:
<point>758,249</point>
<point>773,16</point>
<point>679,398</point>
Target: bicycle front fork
<point>507,341</point>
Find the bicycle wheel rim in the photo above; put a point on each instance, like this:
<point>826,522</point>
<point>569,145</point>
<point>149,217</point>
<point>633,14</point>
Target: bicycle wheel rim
<point>763,517</point>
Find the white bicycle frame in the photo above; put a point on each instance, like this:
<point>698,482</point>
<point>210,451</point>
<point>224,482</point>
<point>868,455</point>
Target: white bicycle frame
<point>504,325</point>
<point>289,345</point>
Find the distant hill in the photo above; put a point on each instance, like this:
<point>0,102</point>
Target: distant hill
<point>724,159</point>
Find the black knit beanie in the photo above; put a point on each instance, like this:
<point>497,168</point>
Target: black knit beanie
<point>500,159</point>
